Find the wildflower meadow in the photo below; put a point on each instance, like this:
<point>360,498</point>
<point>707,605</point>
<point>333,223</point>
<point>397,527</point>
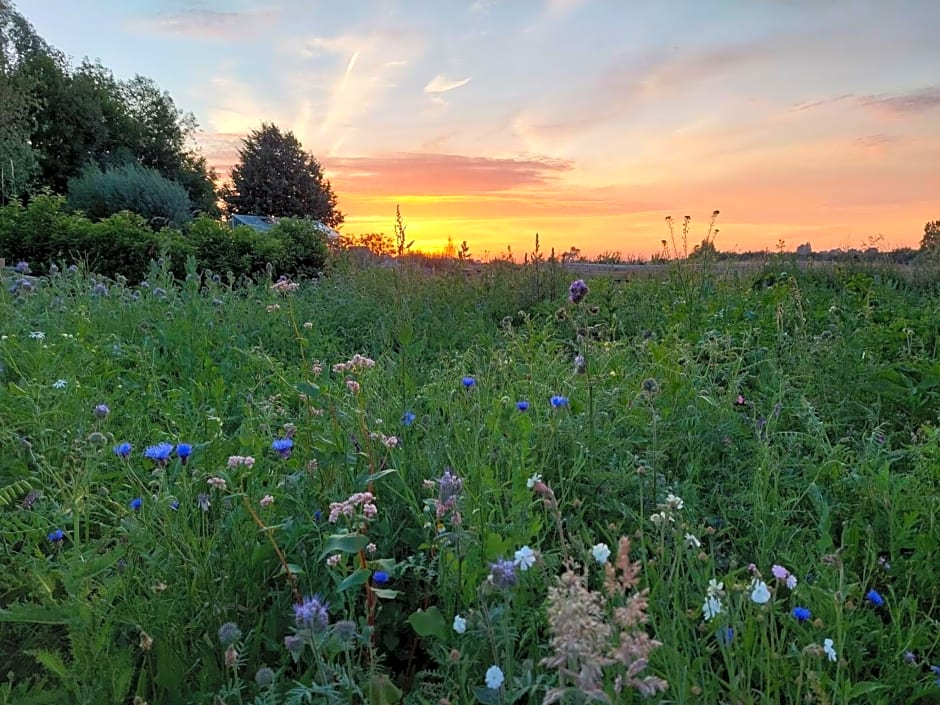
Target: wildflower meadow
<point>388,486</point>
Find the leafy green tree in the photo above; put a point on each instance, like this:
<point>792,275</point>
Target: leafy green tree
<point>160,138</point>
<point>132,188</point>
<point>56,120</point>
<point>931,240</point>
<point>19,161</point>
<point>274,176</point>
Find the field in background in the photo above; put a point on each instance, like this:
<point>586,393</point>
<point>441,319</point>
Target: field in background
<point>723,482</point>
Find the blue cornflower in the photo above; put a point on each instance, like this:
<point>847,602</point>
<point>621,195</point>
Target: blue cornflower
<point>175,505</point>
<point>102,410</point>
<point>56,536</point>
<point>408,418</point>
<point>503,573</point>
<point>873,597</point>
<point>123,449</point>
<point>312,613</point>
<point>202,499</point>
<point>160,453</point>
<point>558,401</point>
<point>936,672</point>
<point>802,614</point>
<point>283,446</point>
<point>380,577</point>
<point>522,405</point>
<point>469,382</point>
<point>725,636</point>
<point>183,451</point>
<point>21,268</point>
<point>317,515</point>
<point>136,504</point>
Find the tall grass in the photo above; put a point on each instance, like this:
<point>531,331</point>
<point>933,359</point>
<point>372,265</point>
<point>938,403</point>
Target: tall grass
<point>470,489</point>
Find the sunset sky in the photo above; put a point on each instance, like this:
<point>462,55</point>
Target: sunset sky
<point>587,121</point>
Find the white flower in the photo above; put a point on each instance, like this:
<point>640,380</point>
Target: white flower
<point>601,552</point>
<point>828,648</point>
<point>494,677</point>
<point>460,624</point>
<point>59,384</point>
<point>715,589</point>
<point>530,483</point>
<point>660,518</point>
<point>674,502</point>
<point>791,581</point>
<point>37,335</point>
<point>759,592</point>
<point>711,607</point>
<point>692,541</point>
<point>525,558</point>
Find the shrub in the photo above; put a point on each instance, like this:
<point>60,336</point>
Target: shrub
<point>132,188</point>
<point>241,250</point>
<point>304,244</point>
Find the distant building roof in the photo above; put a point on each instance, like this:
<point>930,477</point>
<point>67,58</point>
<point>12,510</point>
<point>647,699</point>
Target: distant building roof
<point>258,222</point>
<point>263,223</point>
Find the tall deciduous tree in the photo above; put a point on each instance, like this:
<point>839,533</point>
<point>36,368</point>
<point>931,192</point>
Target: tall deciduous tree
<point>274,176</point>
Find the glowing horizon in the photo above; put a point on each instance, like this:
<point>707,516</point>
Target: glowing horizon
<point>585,121</point>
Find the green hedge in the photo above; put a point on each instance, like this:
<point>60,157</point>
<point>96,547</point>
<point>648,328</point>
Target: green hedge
<point>44,232</point>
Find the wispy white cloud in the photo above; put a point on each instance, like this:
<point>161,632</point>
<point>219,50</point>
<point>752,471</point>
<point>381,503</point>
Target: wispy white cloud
<point>203,24</point>
<point>442,84</point>
<point>354,73</point>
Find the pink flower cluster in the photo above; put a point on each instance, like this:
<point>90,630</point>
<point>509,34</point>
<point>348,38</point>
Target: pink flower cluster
<point>216,482</point>
<point>365,500</point>
<point>387,441</point>
<point>285,285</point>
<point>354,364</point>
<point>235,461</point>
<point>784,576</point>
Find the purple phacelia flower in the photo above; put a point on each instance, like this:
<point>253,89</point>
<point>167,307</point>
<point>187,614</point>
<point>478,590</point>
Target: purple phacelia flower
<point>577,291</point>
<point>312,613</point>
<point>503,573</point>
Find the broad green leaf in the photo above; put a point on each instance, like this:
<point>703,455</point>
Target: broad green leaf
<point>360,577</point>
<point>381,691</point>
<point>429,622</point>
<point>364,480</point>
<point>344,543</point>
<point>311,390</point>
<point>485,695</point>
<point>292,567</point>
<point>385,593</point>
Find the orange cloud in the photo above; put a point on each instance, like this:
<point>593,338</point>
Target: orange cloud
<point>440,174</point>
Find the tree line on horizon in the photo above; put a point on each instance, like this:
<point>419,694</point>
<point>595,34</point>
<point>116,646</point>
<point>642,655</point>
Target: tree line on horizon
<point>110,145</point>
